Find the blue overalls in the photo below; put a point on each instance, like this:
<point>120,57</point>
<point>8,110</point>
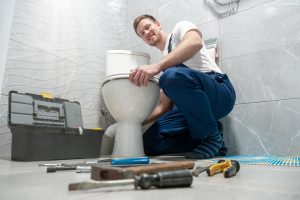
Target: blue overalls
<point>200,100</point>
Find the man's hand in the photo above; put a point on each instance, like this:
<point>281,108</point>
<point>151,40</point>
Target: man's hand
<point>165,104</point>
<point>141,75</point>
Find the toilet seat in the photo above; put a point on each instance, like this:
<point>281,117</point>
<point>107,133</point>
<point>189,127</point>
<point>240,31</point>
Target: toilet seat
<point>124,76</point>
<point>129,52</point>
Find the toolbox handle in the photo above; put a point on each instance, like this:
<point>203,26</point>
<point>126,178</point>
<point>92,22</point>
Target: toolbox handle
<point>38,103</point>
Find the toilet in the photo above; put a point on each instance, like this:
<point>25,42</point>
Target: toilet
<point>129,104</point>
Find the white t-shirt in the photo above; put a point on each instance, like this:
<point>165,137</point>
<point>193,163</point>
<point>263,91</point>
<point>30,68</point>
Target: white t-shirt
<point>202,60</point>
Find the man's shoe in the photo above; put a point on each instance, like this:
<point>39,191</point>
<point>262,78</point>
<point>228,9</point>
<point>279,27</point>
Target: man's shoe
<point>193,155</point>
<point>209,147</point>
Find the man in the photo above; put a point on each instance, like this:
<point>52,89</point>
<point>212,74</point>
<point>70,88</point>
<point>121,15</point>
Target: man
<point>194,92</point>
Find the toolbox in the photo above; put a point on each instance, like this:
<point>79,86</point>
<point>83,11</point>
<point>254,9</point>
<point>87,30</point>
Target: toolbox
<point>49,128</point>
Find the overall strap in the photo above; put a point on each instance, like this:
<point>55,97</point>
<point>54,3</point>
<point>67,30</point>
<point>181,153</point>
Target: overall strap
<point>170,49</point>
<point>170,45</point>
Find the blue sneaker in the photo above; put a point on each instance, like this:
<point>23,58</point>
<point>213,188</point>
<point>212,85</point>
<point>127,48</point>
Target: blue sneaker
<point>209,147</point>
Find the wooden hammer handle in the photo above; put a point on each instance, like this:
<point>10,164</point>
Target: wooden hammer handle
<point>161,167</point>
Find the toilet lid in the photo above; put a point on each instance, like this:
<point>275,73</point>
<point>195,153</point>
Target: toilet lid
<point>124,76</point>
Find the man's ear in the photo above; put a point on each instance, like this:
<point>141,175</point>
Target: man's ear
<point>158,24</point>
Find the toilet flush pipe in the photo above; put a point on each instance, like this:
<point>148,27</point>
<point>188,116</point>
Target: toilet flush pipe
<point>108,140</point>
<point>111,131</point>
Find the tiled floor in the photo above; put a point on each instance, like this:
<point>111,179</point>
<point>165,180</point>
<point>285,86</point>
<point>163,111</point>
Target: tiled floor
<point>27,180</point>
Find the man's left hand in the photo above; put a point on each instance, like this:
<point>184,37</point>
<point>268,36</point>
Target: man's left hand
<point>141,75</point>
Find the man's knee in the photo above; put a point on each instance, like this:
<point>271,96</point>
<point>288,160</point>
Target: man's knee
<point>175,79</point>
<point>170,75</point>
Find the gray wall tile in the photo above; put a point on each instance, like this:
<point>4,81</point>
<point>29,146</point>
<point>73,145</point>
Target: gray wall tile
<point>248,4</point>
<point>265,128</point>
<point>141,7</point>
<point>172,12</point>
<point>267,75</point>
<point>263,27</point>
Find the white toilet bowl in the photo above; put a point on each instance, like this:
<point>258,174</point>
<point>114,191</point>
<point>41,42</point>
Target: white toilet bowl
<point>128,104</point>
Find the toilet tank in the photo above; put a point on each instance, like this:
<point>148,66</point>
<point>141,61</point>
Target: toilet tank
<point>122,61</point>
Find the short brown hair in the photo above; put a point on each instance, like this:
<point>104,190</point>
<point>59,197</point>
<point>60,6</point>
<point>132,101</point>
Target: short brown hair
<point>139,19</point>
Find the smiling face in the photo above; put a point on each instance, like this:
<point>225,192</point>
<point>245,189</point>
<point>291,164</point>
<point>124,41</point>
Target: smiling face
<point>149,31</point>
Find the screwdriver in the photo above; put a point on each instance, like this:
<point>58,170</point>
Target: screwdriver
<point>87,165</point>
<point>164,179</point>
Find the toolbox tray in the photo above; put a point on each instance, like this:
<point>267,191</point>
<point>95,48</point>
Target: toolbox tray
<point>49,129</point>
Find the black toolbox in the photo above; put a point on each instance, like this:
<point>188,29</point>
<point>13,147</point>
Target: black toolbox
<point>47,128</point>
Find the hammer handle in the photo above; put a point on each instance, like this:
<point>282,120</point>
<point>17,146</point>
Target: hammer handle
<point>152,168</point>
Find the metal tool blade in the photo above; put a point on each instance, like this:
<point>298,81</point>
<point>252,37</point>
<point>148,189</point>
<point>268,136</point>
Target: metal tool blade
<point>198,170</point>
<point>100,184</point>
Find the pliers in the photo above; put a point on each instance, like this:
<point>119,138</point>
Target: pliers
<point>228,167</point>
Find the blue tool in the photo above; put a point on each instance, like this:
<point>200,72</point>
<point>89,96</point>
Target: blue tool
<point>86,165</point>
<point>130,161</point>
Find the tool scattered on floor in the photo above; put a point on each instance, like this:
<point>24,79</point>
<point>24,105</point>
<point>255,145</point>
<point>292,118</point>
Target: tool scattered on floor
<point>162,179</point>
<point>79,167</point>
<point>100,172</point>
<point>86,165</point>
<point>229,168</point>
<point>165,179</point>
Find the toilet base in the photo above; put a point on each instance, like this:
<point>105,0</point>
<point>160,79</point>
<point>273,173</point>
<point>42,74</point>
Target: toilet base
<point>128,140</point>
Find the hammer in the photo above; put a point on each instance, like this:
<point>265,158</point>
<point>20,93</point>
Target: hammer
<point>100,172</point>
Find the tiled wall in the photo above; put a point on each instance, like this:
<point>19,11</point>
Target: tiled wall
<point>59,46</point>
<point>260,51</point>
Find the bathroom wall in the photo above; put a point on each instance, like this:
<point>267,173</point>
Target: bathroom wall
<point>59,46</point>
<point>6,13</point>
<point>260,51</point>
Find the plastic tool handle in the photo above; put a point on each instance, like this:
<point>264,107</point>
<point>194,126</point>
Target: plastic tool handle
<point>232,169</point>
<point>60,168</point>
<point>175,178</point>
<point>130,161</point>
<point>217,168</point>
